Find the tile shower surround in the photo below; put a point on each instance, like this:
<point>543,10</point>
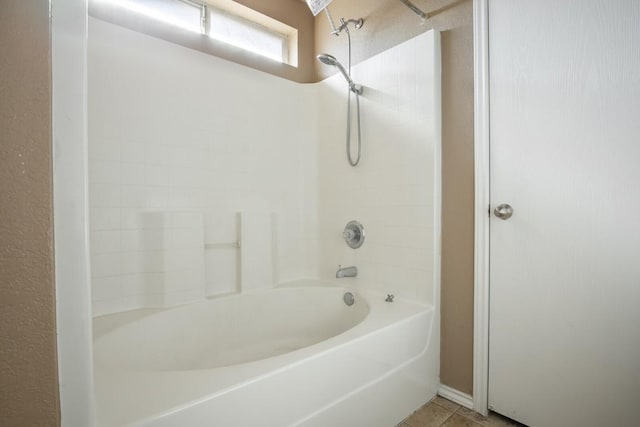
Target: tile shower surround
<point>174,130</point>
<point>392,191</point>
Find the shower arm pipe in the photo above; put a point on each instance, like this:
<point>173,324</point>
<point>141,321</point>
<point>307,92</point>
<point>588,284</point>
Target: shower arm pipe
<point>415,9</point>
<point>357,23</point>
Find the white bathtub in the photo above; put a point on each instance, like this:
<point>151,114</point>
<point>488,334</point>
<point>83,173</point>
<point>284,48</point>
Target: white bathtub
<point>296,355</point>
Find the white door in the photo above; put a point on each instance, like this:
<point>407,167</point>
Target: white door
<point>564,342</point>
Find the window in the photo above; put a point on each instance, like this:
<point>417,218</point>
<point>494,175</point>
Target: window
<point>225,21</point>
<point>245,34</point>
<point>183,14</point>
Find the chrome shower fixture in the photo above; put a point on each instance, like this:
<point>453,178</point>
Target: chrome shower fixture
<point>318,6</point>
<point>327,59</point>
<point>344,25</point>
<point>415,9</point>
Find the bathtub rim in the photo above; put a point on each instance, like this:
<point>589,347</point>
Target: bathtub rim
<point>336,341</point>
<point>275,365</point>
<point>108,323</point>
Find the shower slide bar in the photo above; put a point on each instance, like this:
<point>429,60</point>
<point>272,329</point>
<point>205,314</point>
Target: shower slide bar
<point>415,9</point>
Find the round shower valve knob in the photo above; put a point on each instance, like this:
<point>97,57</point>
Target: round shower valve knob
<point>349,235</point>
<point>353,234</point>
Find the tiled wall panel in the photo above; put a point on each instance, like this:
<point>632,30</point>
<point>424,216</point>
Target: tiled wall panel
<point>392,192</point>
<point>175,130</point>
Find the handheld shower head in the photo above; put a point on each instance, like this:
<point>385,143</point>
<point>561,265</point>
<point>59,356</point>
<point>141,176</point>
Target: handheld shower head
<point>327,59</point>
<point>331,60</point>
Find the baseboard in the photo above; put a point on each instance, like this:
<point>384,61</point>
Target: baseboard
<point>456,396</point>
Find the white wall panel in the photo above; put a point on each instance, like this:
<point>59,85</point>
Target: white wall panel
<point>393,191</point>
<point>171,129</point>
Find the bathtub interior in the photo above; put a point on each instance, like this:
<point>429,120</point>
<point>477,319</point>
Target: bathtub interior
<point>231,330</point>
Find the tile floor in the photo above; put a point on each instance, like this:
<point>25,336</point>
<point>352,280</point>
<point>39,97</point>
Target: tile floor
<point>442,412</point>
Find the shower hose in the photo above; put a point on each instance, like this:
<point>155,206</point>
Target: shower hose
<point>349,91</point>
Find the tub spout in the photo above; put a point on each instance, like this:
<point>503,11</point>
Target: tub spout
<point>346,272</point>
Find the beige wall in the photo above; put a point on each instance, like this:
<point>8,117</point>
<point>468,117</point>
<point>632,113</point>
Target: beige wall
<point>297,15</point>
<point>387,23</point>
<point>28,368</point>
<point>456,361</point>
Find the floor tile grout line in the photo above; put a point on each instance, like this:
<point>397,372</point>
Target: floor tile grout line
<point>466,417</point>
<point>444,407</point>
<point>445,420</point>
<point>459,410</point>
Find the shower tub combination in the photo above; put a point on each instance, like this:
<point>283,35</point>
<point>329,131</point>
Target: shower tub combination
<point>295,355</point>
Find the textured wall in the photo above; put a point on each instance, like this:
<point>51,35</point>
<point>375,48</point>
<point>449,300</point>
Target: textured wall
<point>388,23</point>
<point>28,369</point>
<point>457,209</point>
